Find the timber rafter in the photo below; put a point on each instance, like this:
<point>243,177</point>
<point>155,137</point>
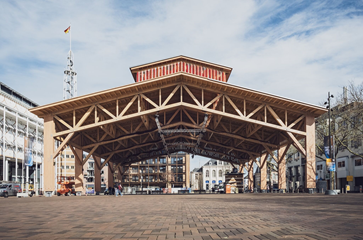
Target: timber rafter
<point>119,125</point>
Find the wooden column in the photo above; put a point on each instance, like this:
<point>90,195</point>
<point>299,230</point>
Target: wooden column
<point>110,182</point>
<point>263,168</point>
<point>310,166</point>
<point>78,172</point>
<point>49,174</point>
<point>97,174</point>
<point>250,175</point>
<point>282,167</point>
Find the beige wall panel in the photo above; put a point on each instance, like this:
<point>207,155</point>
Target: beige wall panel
<point>187,171</point>
<point>310,166</point>
<point>49,130</point>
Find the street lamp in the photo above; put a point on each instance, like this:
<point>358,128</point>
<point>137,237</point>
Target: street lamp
<point>332,173</point>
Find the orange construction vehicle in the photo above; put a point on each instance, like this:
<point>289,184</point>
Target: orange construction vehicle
<point>66,186</point>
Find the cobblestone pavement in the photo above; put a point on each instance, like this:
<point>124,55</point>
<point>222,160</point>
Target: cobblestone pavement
<point>205,216</point>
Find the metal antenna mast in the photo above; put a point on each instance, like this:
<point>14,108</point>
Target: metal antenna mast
<point>70,75</point>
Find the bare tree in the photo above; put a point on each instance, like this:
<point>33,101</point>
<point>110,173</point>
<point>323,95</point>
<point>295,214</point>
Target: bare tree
<point>346,123</point>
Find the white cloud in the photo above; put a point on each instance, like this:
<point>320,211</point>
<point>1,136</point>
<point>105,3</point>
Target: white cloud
<point>272,47</point>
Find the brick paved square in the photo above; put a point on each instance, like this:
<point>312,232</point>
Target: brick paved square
<point>208,216</point>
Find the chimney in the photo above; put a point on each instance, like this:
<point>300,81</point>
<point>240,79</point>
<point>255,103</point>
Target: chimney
<point>345,95</point>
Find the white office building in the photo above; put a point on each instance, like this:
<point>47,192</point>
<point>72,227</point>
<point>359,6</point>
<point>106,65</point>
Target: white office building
<point>16,124</point>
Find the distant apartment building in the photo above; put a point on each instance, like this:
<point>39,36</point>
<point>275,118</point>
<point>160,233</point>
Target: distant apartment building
<point>347,125</point>
<point>295,171</point>
<point>196,179</point>
<point>17,124</point>
<point>159,172</point>
<point>214,173</point>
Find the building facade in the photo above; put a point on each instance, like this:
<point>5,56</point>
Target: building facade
<point>214,173</point>
<point>295,171</point>
<point>17,126</point>
<point>159,172</point>
<point>196,179</point>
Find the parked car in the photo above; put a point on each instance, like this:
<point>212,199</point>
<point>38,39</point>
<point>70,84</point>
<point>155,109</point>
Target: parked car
<point>9,189</point>
<point>220,188</point>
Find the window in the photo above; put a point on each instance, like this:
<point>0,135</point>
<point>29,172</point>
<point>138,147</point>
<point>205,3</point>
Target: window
<point>67,156</point>
<point>72,156</point>
<point>341,164</point>
<point>207,173</point>
<point>358,162</point>
<point>162,160</point>
<point>62,167</point>
<point>220,173</point>
<point>173,160</point>
<point>90,165</point>
<point>196,176</point>
<point>319,167</point>
<point>214,173</point>
<point>102,179</point>
<point>67,167</point>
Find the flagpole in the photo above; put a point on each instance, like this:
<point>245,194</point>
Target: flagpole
<point>70,37</point>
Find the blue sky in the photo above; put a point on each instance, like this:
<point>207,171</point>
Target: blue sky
<point>296,49</point>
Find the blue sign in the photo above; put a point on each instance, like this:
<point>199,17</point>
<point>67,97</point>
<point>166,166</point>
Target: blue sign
<point>206,181</point>
<point>220,181</point>
<point>332,167</point>
<point>213,181</point>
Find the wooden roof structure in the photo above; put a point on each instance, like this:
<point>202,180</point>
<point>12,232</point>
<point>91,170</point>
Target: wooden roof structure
<point>179,110</point>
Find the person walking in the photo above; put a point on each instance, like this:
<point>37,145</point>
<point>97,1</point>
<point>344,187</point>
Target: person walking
<point>120,189</point>
<point>116,189</point>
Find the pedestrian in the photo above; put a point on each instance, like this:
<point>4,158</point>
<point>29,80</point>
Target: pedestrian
<point>116,189</point>
<point>120,189</point>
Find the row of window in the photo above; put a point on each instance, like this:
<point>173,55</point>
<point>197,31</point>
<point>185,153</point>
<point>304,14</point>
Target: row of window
<point>178,178</point>
<point>214,173</point>
<point>357,162</point>
<point>67,167</point>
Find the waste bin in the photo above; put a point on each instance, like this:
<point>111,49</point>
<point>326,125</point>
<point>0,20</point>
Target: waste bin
<point>48,193</point>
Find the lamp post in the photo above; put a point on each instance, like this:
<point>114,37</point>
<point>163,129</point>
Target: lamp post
<point>332,173</point>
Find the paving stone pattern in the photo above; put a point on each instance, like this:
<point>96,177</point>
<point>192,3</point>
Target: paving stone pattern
<point>204,216</point>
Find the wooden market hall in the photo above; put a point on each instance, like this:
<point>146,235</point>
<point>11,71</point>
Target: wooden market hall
<point>179,104</point>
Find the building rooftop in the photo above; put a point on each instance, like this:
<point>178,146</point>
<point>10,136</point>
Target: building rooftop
<point>16,96</point>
